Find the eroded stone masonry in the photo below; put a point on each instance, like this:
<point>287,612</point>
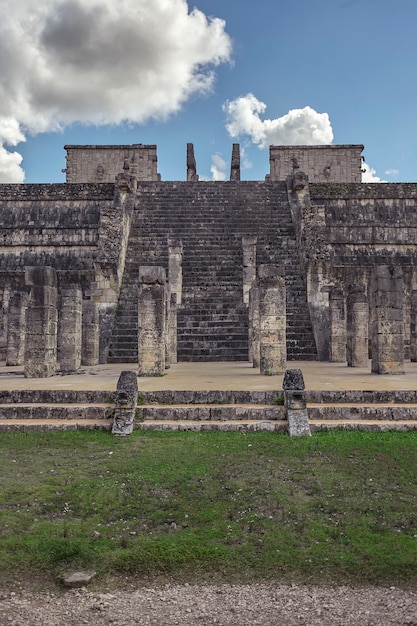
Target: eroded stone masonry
<point>117,265</point>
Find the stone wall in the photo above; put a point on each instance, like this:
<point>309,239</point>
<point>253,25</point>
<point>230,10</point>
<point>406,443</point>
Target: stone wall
<point>321,163</point>
<point>101,164</point>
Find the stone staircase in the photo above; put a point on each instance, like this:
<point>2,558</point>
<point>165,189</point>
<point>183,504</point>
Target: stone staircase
<point>210,220</point>
<point>46,410</point>
<point>246,411</point>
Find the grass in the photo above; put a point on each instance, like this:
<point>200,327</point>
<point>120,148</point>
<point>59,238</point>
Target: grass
<point>335,508</point>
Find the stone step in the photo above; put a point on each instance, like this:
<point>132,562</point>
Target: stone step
<point>43,425</point>
<point>55,411</point>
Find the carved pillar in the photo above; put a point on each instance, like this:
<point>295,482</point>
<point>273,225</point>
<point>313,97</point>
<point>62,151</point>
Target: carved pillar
<point>357,319</point>
<point>249,265</point>
<point>296,403</point>
<point>70,329</point>
<point>191,164</point>
<point>235,164</point>
<point>413,327</point>
<point>90,333</point>
<point>172,328</point>
<point>387,320</point>
<point>41,323</point>
<point>254,347</point>
<point>272,320</point>
<point>337,326</point>
<point>151,321</point>
<point>175,254</point>
<point>125,404</point>
<point>16,328</point>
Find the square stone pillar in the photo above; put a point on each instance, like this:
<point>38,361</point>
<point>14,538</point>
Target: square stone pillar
<point>337,324</point>
<point>272,320</point>
<point>296,403</point>
<point>357,321</point>
<point>175,253</point>
<point>387,289</point>
<point>70,329</point>
<point>249,265</point>
<point>413,327</point>
<point>90,345</point>
<point>41,323</point>
<point>16,328</point>
<point>151,321</point>
<point>254,347</point>
<point>172,328</point>
<point>125,404</point>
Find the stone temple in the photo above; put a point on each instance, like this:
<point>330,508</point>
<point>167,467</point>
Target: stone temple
<point>118,266</point>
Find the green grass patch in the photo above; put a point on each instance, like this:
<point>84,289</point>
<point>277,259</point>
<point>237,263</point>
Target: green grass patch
<point>339,507</point>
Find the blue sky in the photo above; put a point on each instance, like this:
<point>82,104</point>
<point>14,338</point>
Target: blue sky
<point>151,71</point>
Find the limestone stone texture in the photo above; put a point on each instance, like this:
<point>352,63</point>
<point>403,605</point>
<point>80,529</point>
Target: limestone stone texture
<point>125,403</point>
<point>40,358</point>
<point>235,163</point>
<point>272,320</point>
<point>192,175</point>
<point>90,333</point>
<point>16,328</point>
<point>249,265</point>
<point>254,343</point>
<point>357,328</point>
<point>70,329</point>
<point>386,295</point>
<point>172,328</point>
<point>175,255</point>
<point>413,327</point>
<point>101,164</point>
<point>151,321</point>
<point>296,403</point>
<point>337,326</point>
<point>327,164</point>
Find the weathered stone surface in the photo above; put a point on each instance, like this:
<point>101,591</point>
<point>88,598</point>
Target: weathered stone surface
<point>387,320</point>
<point>151,321</point>
<point>357,319</point>
<point>78,579</point>
<point>298,424</point>
<point>41,323</point>
<point>125,403</point>
<point>272,325</point>
<point>90,346</point>
<point>293,379</point>
<point>337,325</point>
<point>70,329</point>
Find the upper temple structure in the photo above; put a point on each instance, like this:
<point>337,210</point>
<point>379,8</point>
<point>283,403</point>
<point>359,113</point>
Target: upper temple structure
<point>118,266</point>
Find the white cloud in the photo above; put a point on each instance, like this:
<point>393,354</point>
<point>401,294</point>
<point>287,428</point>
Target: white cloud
<point>218,167</point>
<point>297,127</point>
<point>392,172</point>
<point>369,175</point>
<point>102,62</point>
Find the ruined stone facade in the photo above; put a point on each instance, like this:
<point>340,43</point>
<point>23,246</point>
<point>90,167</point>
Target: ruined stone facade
<point>325,233</point>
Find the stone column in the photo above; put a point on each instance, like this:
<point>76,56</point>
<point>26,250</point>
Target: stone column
<point>172,328</point>
<point>413,327</point>
<point>337,326</point>
<point>249,265</point>
<point>151,321</point>
<point>295,403</point>
<point>125,403</point>
<point>90,333</point>
<point>357,319</point>
<point>387,289</point>
<point>41,323</point>
<point>175,253</point>
<point>235,163</point>
<point>70,329</point>
<point>254,347</point>
<point>16,328</point>
<point>272,320</point>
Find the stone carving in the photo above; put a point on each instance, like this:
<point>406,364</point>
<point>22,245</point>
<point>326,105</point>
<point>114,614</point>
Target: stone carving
<point>151,321</point>
<point>272,320</point>
<point>295,403</point>
<point>125,403</point>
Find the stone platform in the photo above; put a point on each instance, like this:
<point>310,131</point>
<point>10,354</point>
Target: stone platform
<point>207,396</point>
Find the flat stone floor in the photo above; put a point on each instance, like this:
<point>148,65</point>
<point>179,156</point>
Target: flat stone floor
<point>235,376</point>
